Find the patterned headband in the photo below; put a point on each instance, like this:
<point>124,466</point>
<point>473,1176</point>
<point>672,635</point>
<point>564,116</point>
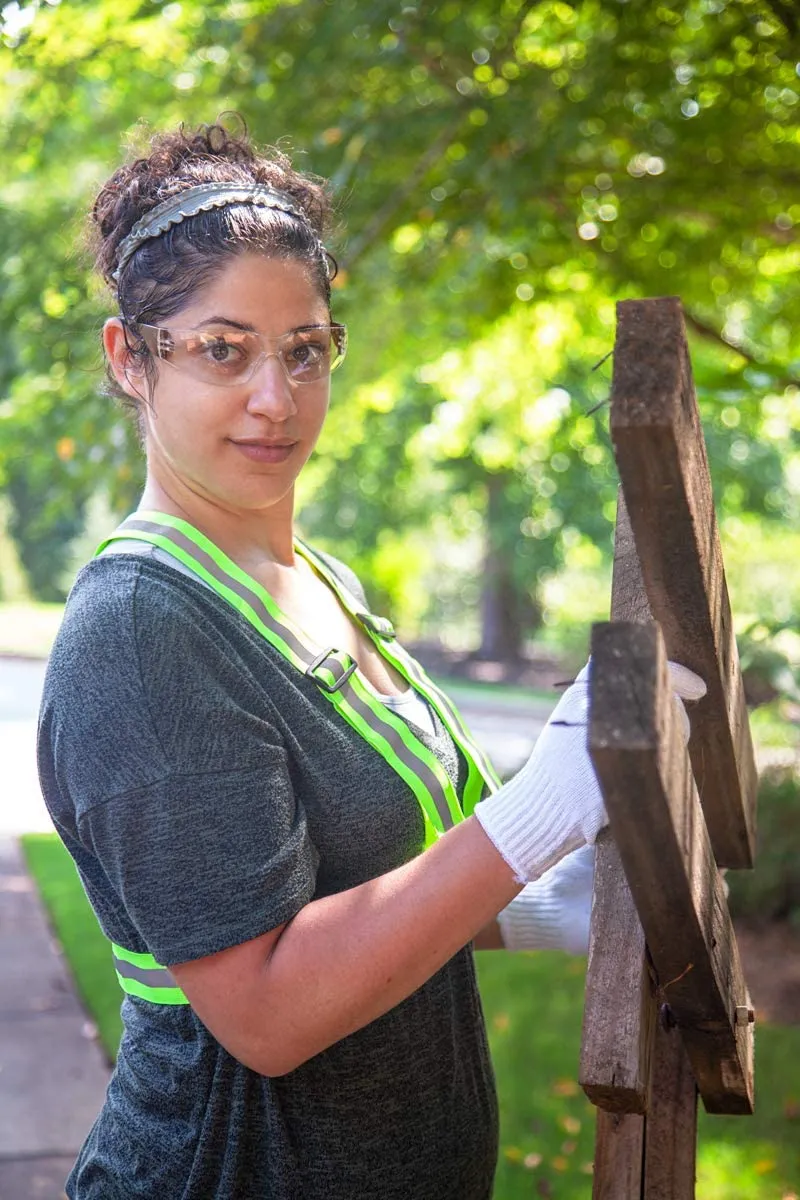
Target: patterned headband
<point>202,198</point>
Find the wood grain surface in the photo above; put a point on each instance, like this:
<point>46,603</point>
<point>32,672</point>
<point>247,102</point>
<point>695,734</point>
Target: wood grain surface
<point>657,823</point>
<point>661,457</point>
<point>670,1152</point>
<point>618,1009</point>
<point>618,1157</point>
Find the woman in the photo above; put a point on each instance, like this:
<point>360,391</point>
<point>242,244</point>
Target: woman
<point>290,854</point>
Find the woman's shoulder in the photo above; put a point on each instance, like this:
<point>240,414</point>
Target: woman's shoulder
<point>98,608</point>
<point>123,609</point>
<point>112,592</point>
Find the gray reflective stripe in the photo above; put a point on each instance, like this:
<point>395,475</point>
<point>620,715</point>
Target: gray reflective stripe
<point>446,710</point>
<point>241,589</point>
<point>403,752</point>
<point>380,625</point>
<point>338,670</point>
<point>156,977</point>
<point>476,759</point>
<point>337,667</point>
<point>380,722</point>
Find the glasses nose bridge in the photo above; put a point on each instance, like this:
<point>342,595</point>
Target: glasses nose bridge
<point>265,354</point>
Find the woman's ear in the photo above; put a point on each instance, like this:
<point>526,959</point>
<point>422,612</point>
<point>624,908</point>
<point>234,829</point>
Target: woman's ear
<point>125,367</point>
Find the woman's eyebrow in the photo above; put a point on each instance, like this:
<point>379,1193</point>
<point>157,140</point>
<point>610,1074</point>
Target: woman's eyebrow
<point>245,327</point>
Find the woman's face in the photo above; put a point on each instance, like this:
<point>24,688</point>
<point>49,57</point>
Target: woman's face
<point>240,446</point>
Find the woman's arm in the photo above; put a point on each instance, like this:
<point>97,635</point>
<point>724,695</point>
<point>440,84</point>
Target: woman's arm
<point>489,938</point>
<point>346,959</point>
<point>279,999</point>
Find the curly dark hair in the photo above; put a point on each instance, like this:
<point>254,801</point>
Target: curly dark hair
<point>164,273</point>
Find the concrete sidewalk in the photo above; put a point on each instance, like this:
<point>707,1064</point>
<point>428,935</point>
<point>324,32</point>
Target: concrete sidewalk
<point>53,1074</point>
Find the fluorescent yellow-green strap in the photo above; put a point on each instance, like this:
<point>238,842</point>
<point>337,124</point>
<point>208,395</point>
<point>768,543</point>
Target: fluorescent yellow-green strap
<point>482,779</point>
<point>140,975</point>
<point>333,672</point>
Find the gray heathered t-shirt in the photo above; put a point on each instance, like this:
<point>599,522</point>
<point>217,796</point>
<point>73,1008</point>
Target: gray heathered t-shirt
<point>207,791</point>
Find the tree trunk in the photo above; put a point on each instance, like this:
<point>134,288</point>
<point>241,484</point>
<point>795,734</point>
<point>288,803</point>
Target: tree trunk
<point>502,606</point>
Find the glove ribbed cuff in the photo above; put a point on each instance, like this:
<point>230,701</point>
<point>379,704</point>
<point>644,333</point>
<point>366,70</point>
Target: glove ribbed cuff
<point>528,824</point>
<point>532,921</point>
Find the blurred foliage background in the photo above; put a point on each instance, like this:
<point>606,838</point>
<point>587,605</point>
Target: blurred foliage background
<point>505,171</point>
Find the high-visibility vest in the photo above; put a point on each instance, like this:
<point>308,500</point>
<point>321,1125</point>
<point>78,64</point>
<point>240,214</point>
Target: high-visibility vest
<point>336,675</point>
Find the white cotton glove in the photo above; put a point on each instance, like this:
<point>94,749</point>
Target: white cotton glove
<point>686,686</point>
<point>553,805</point>
<point>554,912</point>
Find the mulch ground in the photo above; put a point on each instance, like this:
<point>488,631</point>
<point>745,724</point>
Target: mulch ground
<point>770,956</point>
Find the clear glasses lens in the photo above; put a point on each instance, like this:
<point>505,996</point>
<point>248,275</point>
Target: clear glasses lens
<point>230,357</point>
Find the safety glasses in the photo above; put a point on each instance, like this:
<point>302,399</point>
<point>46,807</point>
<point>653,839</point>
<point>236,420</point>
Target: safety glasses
<point>225,358</point>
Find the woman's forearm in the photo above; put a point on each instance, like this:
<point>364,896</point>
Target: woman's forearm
<point>489,938</point>
<point>346,959</point>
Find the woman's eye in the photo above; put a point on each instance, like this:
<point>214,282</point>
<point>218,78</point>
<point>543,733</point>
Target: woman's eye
<point>221,351</point>
<point>307,352</point>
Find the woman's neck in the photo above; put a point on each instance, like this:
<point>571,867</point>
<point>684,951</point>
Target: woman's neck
<point>252,538</point>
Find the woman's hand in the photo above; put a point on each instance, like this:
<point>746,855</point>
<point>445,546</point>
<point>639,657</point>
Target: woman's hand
<point>554,912</point>
<point>554,804</point>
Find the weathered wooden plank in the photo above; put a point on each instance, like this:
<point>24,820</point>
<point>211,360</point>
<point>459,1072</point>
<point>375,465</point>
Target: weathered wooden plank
<point>629,600</point>
<point>671,1127</point>
<point>618,1008</point>
<point>661,457</point>
<point>618,1157</point>
<point>658,827</point>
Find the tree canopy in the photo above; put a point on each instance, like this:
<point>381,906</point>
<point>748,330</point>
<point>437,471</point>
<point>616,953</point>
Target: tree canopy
<point>505,172</point>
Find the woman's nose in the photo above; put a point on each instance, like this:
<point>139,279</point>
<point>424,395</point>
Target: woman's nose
<point>270,391</point>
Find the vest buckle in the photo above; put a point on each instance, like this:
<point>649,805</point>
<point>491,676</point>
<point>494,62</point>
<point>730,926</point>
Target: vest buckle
<point>381,626</point>
<point>337,668</point>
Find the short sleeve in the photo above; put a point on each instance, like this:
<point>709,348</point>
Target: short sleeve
<point>180,783</point>
<point>204,862</point>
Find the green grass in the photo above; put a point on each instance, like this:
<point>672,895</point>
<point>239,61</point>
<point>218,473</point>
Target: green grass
<point>28,628</point>
<point>534,1011</point>
<point>87,951</point>
<point>534,1005</point>
<point>499,693</point>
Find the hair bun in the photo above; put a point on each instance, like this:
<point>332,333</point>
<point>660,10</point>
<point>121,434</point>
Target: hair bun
<point>185,158</point>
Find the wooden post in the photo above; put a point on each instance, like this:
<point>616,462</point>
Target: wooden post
<point>670,1142</point>
<point>661,456</point>
<point>668,564</point>
<point>658,827</point>
<point>618,1156</point>
<point>618,1019</point>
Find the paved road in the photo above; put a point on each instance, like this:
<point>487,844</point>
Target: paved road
<point>22,809</point>
<point>53,1075</point>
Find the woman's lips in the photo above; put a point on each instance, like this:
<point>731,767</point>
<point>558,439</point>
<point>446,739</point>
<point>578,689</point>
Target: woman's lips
<point>265,452</point>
